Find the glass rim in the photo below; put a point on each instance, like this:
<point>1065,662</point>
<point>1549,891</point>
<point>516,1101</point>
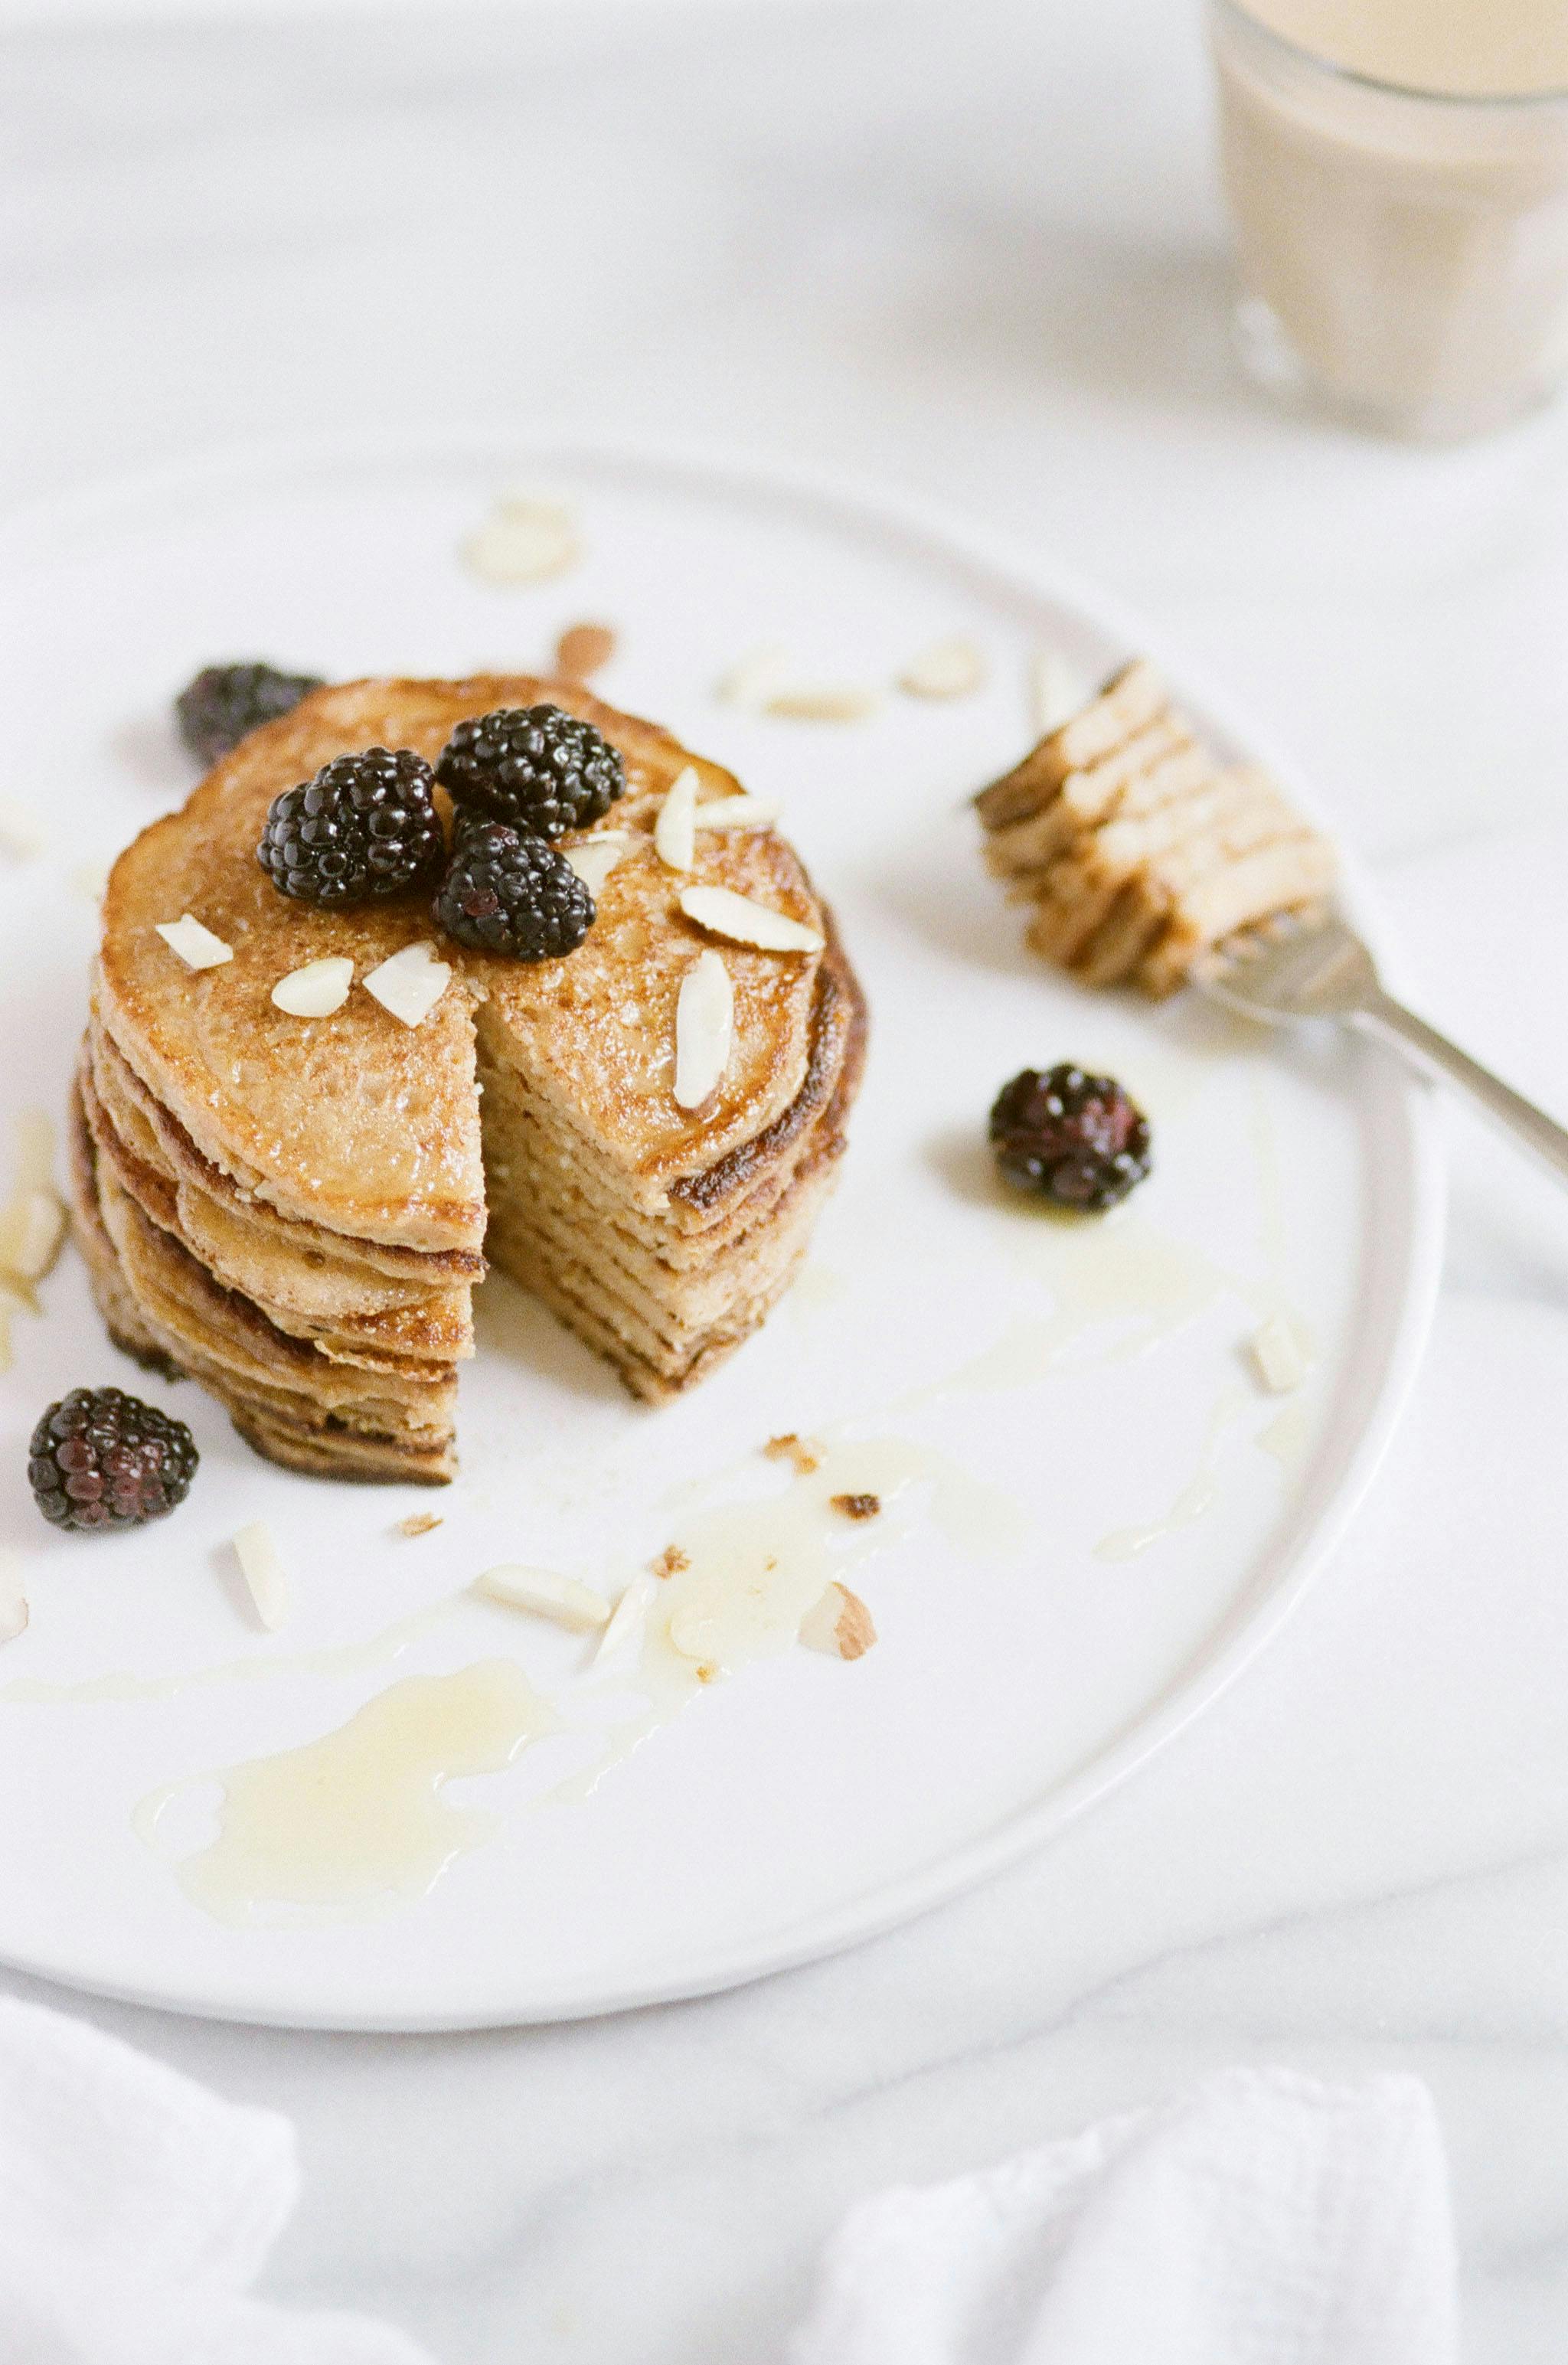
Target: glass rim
<point>1495,101</point>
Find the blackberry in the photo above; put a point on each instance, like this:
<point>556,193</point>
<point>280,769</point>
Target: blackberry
<point>510,893</point>
<point>366,827</point>
<point>1069,1137</point>
<point>223,702</point>
<point>535,767</point>
<point>100,1459</point>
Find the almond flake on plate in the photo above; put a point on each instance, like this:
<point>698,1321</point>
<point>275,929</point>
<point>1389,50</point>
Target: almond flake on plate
<point>745,922</point>
<point>704,1030</point>
<point>1057,690</point>
<point>756,677</point>
<point>317,989</point>
<point>540,1590</point>
<point>32,1230</point>
<point>629,1616</point>
<point>674,832</point>
<point>582,649</point>
<point>526,540</point>
<point>822,702</point>
<point>597,857</point>
<point>197,946</point>
<point>1280,1353</point>
<point>418,1523</point>
<point>13,1600</point>
<point>409,983</point>
<point>839,1623</point>
<point>951,668</point>
<point>255,1549</point>
<point>738,812</point>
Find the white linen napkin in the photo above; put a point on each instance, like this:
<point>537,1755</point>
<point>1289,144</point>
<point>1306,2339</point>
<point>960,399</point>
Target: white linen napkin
<point>136,2210</point>
<point>1264,2219</point>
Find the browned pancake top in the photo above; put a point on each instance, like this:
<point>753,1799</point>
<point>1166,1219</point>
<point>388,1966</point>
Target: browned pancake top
<point>365,1125</point>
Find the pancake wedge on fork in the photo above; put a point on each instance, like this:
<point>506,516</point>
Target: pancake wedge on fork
<point>296,1211</point>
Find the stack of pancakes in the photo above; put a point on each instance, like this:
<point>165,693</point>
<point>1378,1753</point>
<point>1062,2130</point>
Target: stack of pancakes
<point>1136,849</point>
<point>296,1211</point>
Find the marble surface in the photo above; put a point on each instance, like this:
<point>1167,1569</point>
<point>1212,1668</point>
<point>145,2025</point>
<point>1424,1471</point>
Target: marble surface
<point>977,252</point>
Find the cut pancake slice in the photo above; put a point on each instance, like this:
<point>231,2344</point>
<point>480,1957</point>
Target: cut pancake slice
<point>294,1211</point>
<point>1136,849</point>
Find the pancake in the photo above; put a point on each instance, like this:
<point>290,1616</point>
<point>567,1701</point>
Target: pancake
<point>296,1211</point>
<point>1137,851</point>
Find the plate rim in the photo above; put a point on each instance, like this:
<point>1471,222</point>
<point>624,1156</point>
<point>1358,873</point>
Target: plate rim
<point>1003,556</point>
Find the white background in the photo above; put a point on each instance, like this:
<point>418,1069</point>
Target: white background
<point>976,252</point>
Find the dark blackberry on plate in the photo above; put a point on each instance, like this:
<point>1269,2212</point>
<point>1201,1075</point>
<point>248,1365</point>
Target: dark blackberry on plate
<point>365,827</point>
<point>216,710</point>
<point>1064,1135</point>
<point>505,892</point>
<point>101,1460</point>
<point>535,767</point>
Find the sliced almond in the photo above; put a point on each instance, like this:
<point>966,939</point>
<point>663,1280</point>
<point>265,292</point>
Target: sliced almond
<point>738,812</point>
<point>704,1030</point>
<point>582,649</point>
<point>418,1523</point>
<point>745,922</point>
<point>1057,690</point>
<point>822,702</point>
<point>197,946</point>
<point>597,857</point>
<point>32,1230</point>
<point>839,1623</point>
<point>526,540</point>
<point>261,1564</point>
<point>409,983</point>
<point>13,1600</point>
<point>628,1617</point>
<point>950,668</point>
<point>540,1590</point>
<point>756,677</point>
<point>317,989</point>
<point>674,832</point>
<point>1280,1354</point>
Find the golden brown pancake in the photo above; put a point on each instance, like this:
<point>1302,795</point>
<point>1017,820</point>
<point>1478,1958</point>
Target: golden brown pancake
<point>294,1210</point>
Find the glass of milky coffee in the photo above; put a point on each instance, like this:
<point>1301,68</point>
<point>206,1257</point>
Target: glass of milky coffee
<point>1397,173</point>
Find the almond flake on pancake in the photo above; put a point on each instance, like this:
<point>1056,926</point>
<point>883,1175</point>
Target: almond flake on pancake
<point>738,812</point>
<point>704,1030</point>
<point>197,946</point>
<point>561,1599</point>
<point>317,989</point>
<point>950,668</point>
<point>13,1600</point>
<point>410,983</point>
<point>674,832</point>
<point>597,857</point>
<point>255,1549</point>
<point>839,1623</point>
<point>745,922</point>
<point>1057,690</point>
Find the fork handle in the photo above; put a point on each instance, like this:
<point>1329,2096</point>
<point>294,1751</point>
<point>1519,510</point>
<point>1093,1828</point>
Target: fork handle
<point>1528,1125</point>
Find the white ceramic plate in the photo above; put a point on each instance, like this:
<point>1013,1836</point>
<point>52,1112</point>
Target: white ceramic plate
<point>1021,1668</point>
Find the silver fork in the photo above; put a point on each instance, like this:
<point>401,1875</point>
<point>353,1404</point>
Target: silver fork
<point>1324,970</point>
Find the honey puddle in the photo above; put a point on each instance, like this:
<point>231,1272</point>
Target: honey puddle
<point>1197,1497</point>
<point>350,1827</point>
